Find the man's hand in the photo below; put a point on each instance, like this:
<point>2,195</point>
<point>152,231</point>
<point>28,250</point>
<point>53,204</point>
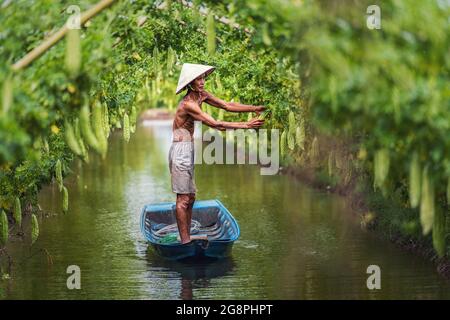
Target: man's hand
<point>259,109</point>
<point>254,123</point>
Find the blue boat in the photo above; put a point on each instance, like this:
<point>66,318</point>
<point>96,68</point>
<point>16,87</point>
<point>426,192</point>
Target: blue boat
<point>211,222</point>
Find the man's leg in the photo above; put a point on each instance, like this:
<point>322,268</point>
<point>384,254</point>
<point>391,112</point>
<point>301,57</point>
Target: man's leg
<point>183,218</point>
<point>191,205</point>
<point>189,210</point>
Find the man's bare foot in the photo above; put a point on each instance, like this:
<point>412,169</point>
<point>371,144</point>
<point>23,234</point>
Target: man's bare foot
<point>183,241</point>
<point>194,237</point>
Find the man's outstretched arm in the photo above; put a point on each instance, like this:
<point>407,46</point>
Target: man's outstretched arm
<point>197,113</point>
<point>232,106</point>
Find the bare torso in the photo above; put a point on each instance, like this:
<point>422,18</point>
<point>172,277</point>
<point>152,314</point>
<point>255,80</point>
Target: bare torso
<point>183,123</point>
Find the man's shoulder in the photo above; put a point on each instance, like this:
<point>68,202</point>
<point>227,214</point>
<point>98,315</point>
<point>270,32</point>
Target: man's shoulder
<point>206,94</point>
<point>189,105</point>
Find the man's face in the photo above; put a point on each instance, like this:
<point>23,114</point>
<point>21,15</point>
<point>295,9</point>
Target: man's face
<point>199,83</point>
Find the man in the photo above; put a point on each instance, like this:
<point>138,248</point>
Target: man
<point>181,154</point>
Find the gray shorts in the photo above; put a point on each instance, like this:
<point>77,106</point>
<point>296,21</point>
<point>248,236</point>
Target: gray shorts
<point>181,166</point>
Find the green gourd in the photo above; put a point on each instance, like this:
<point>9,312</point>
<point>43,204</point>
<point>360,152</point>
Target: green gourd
<point>448,192</point>
<point>427,208</point>
<point>105,116</point>
<point>18,212</point>
<point>381,167</point>
<point>98,119</point>
<point>211,33</point>
<point>291,119</point>
<point>291,138</point>
<point>126,128</point>
<point>315,149</point>
<point>300,135</point>
<point>283,143</point>
<point>34,229</point>
<point>155,60</point>
<point>58,174</point>
<point>3,228</point>
<point>65,203</point>
<point>414,181</point>
<point>439,231</point>
<point>71,139</point>
<point>330,163</point>
<point>265,35</point>
<point>133,116</point>
<point>86,129</point>
<point>73,52</point>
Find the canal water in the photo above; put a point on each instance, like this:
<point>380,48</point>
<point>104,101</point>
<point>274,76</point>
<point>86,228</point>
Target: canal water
<point>296,242</point>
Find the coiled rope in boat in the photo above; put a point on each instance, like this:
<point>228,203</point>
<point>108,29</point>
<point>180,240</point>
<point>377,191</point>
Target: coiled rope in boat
<point>173,228</point>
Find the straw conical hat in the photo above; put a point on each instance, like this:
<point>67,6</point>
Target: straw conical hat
<point>190,72</point>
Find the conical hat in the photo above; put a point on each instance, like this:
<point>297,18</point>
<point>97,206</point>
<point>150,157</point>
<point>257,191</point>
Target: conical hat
<point>190,72</point>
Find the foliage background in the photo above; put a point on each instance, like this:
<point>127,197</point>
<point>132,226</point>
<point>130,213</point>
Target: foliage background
<point>314,63</point>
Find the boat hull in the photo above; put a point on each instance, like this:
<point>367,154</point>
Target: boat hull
<point>209,212</point>
<point>196,248</point>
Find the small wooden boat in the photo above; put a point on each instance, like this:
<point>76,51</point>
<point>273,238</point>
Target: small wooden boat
<point>213,230</point>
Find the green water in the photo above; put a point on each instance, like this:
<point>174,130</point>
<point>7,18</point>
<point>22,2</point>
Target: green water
<point>296,243</point>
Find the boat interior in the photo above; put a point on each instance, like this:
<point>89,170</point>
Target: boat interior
<point>206,221</point>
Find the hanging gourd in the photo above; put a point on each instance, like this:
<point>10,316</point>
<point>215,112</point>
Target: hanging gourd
<point>46,146</point>
<point>315,149</point>
<point>283,143</point>
<point>99,130</point>
<point>73,52</point>
<point>439,232</point>
<point>211,33</point>
<point>265,35</point>
<point>65,203</point>
<point>155,60</point>
<point>77,132</point>
<point>414,181</point>
<point>291,121</point>
<point>3,228</point>
<point>218,83</point>
<point>86,129</point>
<point>381,168</point>
<point>133,116</point>
<point>330,163</point>
<point>291,138</point>
<point>58,174</point>
<point>71,139</point>
<point>170,60</point>
<point>427,202</point>
<point>34,229</point>
<point>448,192</point>
<point>18,212</point>
<point>105,116</point>
<point>126,128</point>
<point>300,135</point>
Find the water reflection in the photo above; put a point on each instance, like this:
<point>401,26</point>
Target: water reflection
<point>296,243</point>
<point>193,274</point>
